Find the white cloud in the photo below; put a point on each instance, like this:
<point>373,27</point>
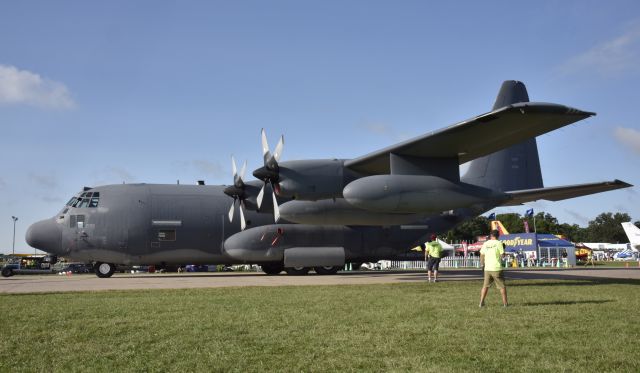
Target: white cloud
<point>628,137</point>
<point>52,200</point>
<point>209,168</point>
<point>612,57</point>
<point>377,128</point>
<point>118,174</point>
<point>24,87</point>
<point>384,130</point>
<point>582,219</point>
<point>44,181</point>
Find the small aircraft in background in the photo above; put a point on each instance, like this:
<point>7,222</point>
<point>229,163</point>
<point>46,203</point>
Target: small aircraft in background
<point>633,233</point>
<point>322,212</point>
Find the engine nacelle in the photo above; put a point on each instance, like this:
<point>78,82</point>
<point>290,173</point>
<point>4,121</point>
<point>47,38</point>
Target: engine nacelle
<point>339,212</point>
<point>313,180</point>
<point>415,194</point>
<point>295,245</point>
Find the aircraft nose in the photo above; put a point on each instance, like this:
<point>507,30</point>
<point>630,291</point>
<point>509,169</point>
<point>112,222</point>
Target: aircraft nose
<point>45,235</point>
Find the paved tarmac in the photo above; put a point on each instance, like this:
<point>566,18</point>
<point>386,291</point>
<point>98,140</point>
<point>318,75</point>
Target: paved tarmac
<point>89,282</point>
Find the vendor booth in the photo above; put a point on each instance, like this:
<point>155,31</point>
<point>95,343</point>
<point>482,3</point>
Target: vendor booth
<point>544,249</point>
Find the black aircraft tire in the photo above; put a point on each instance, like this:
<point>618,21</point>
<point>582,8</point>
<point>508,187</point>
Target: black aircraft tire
<point>327,270</point>
<point>104,270</point>
<point>297,271</point>
<point>7,272</point>
<point>272,269</point>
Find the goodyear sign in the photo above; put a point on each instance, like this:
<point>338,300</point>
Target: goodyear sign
<point>531,241</point>
<point>519,242</point>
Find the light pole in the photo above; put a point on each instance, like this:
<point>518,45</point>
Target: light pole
<point>13,247</point>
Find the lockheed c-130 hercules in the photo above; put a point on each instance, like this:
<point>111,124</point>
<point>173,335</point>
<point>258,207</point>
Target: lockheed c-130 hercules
<point>327,211</point>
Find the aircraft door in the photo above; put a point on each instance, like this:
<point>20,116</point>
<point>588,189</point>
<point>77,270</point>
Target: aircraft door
<point>176,223</point>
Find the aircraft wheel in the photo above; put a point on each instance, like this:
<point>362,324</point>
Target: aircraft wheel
<point>272,269</point>
<point>297,271</point>
<point>104,270</point>
<point>7,272</point>
<point>327,270</point>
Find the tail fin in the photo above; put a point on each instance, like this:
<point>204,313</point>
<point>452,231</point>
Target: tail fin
<point>513,168</point>
<point>633,233</point>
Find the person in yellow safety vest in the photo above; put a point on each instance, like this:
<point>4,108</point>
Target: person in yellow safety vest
<point>490,258</point>
<point>434,251</point>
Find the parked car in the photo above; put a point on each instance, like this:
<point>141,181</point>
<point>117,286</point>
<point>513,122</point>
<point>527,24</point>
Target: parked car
<point>76,268</point>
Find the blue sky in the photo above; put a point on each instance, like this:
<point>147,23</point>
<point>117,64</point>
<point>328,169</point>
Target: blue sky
<point>104,92</point>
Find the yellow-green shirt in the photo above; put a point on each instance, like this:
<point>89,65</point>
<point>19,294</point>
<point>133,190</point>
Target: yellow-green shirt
<point>434,249</point>
<point>492,251</point>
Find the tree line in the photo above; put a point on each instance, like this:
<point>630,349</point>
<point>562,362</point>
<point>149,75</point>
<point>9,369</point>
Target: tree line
<point>606,227</point>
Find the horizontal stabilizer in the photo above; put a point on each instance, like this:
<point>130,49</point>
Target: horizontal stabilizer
<point>520,197</point>
<point>476,137</point>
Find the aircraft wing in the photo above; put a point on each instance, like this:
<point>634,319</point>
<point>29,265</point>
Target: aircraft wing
<point>476,137</point>
<point>520,197</point>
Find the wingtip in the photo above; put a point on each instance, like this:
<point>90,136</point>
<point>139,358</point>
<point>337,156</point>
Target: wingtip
<point>622,184</point>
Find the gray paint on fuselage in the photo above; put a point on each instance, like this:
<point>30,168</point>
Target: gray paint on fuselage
<point>121,229</point>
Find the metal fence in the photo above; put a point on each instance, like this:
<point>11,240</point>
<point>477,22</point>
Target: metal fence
<point>448,262</point>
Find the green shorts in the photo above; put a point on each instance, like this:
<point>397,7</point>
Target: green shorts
<point>494,276</point>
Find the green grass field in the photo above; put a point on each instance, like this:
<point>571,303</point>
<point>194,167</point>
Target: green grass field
<point>551,326</point>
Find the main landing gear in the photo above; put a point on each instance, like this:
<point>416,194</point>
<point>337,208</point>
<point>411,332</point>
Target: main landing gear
<point>104,270</point>
<point>277,268</point>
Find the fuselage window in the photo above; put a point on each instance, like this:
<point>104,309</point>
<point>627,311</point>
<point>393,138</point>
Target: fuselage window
<point>84,203</point>
<point>93,202</point>
<point>71,201</point>
<point>167,235</point>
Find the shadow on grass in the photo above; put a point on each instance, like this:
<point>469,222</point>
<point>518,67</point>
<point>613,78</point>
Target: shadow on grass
<point>570,281</point>
<point>566,302</point>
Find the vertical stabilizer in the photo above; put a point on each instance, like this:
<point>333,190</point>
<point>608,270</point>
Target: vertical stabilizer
<point>633,233</point>
<point>513,168</point>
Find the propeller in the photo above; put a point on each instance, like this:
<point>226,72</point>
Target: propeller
<point>237,192</point>
<point>269,173</point>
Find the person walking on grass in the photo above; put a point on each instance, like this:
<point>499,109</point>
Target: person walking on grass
<point>434,251</point>
<point>490,258</point>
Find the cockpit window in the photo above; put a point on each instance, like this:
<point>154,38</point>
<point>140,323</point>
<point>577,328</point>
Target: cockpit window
<point>86,199</point>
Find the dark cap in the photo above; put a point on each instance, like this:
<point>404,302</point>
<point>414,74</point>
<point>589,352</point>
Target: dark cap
<point>495,233</point>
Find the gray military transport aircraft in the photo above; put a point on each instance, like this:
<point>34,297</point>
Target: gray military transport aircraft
<point>327,211</point>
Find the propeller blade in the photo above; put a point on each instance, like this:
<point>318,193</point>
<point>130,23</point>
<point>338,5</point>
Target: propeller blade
<point>242,170</point>
<point>265,144</point>
<point>260,196</point>
<point>231,210</point>
<point>276,210</point>
<point>243,223</point>
<point>234,168</point>
<point>278,151</point>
